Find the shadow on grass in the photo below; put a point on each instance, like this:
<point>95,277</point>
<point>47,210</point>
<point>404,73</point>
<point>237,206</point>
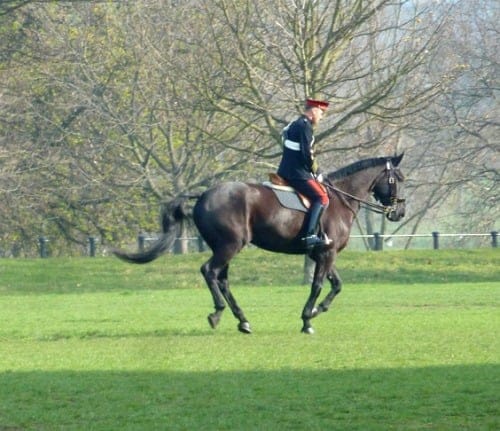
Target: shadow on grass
<point>438,398</point>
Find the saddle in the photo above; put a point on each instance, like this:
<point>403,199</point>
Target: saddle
<point>286,194</point>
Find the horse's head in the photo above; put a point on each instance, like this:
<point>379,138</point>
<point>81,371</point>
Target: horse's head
<point>385,189</point>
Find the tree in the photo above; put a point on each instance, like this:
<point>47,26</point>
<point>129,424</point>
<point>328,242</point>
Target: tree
<point>261,59</point>
<point>9,6</point>
<point>456,139</point>
<point>113,107</point>
<point>114,136</point>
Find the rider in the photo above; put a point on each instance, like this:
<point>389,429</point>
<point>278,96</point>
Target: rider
<point>299,168</point>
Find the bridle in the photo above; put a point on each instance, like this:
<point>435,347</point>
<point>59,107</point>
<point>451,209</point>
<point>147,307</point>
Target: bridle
<point>396,202</point>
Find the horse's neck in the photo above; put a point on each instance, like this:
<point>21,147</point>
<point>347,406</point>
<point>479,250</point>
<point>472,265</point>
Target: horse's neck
<point>359,183</point>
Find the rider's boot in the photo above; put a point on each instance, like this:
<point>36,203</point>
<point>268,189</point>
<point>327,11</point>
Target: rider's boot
<point>311,239</point>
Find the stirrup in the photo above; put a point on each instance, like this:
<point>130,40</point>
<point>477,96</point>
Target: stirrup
<point>312,241</point>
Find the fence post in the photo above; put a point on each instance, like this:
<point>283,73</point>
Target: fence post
<point>178,246</point>
<point>494,241</point>
<point>141,240</point>
<point>42,241</point>
<point>435,240</point>
<point>201,244</point>
<point>92,246</point>
<point>378,241</point>
<point>309,266</point>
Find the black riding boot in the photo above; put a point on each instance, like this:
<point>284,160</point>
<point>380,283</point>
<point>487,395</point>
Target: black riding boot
<point>313,217</point>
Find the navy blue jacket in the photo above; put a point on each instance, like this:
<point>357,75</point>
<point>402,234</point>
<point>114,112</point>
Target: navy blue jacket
<point>297,161</point>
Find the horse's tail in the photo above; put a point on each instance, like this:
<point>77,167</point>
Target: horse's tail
<point>171,215</point>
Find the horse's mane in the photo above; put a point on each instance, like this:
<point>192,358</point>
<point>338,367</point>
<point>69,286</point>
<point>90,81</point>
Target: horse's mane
<point>356,167</point>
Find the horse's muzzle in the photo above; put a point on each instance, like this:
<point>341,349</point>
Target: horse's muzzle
<point>397,210</point>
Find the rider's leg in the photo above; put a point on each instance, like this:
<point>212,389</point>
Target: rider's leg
<point>320,201</point>
<point>313,217</point>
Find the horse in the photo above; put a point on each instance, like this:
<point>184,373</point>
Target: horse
<point>231,215</point>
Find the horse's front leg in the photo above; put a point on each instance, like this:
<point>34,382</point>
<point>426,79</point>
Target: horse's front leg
<point>310,311</point>
<point>336,287</point>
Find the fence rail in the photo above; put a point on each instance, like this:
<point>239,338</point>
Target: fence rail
<point>199,244</point>
<point>378,238</point>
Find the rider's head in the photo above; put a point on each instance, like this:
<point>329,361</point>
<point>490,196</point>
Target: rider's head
<point>314,110</point>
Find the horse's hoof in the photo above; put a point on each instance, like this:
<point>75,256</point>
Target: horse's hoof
<point>244,327</point>
<point>308,330</point>
<point>213,320</point>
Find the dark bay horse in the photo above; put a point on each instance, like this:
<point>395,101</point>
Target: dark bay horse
<point>233,214</point>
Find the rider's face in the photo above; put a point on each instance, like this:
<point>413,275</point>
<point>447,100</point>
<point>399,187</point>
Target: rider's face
<point>317,115</point>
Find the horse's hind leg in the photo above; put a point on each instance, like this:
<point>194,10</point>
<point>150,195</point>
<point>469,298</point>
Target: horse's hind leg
<point>211,275</point>
<point>215,271</point>
<point>243,326</point>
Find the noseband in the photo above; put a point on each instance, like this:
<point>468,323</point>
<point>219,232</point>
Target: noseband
<point>396,202</point>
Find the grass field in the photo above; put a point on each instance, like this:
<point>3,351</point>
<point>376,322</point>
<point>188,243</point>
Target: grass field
<point>96,344</point>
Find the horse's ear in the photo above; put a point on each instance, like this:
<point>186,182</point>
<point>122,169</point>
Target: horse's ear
<point>397,159</point>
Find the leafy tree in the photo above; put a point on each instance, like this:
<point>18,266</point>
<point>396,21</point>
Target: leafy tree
<point>110,108</point>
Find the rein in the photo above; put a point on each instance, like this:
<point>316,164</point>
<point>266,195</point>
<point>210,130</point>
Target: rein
<point>372,206</point>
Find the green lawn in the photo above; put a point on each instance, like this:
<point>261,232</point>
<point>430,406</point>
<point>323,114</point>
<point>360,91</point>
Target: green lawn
<point>96,344</point>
